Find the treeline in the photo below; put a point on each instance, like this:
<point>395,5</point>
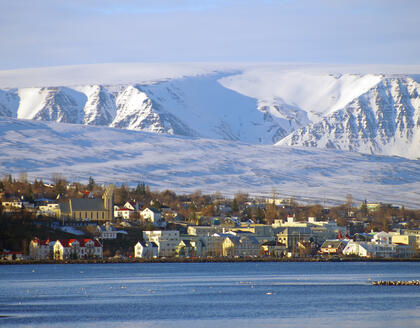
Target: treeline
<point>194,208</point>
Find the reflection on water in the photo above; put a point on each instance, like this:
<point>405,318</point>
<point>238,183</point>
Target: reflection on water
<point>209,295</point>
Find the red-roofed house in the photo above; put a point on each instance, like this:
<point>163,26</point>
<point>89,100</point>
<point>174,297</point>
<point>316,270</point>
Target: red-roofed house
<point>77,249</point>
<point>40,249</point>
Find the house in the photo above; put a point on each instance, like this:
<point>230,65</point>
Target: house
<point>239,246</point>
<point>123,213</point>
<point>166,240</point>
<point>81,209</point>
<point>40,249</point>
<point>107,231</point>
<point>359,248</point>
<point>134,206</point>
<point>333,247</point>
<point>291,235</point>
<point>51,210</point>
<point>204,230</point>
<point>11,256</point>
<point>153,215</point>
<point>372,250</point>
<point>146,250</point>
<point>186,248</point>
<point>213,244</point>
<point>382,238</point>
<point>273,249</point>
<point>307,248</point>
<point>17,204</point>
<point>66,249</point>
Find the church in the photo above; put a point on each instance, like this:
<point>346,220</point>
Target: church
<point>80,209</point>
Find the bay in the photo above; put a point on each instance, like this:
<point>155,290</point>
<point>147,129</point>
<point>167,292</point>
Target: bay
<point>282,294</point>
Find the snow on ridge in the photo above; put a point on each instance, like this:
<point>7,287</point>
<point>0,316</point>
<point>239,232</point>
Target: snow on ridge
<point>104,74</point>
<point>132,73</point>
<point>187,164</point>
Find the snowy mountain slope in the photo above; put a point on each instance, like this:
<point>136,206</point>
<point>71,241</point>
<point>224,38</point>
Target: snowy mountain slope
<point>316,93</point>
<point>295,105</point>
<point>100,106</point>
<point>187,164</point>
<point>9,103</point>
<point>384,120</point>
<point>189,106</point>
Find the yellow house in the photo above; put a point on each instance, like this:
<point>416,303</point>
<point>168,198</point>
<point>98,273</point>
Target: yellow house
<point>409,240</point>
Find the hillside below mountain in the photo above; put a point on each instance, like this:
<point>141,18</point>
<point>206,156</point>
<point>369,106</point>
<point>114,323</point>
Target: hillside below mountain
<point>186,164</point>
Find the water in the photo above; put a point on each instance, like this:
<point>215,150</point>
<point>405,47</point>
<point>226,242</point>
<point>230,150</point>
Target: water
<point>209,295</point>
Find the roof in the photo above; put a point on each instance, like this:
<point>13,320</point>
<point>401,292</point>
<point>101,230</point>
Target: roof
<point>82,242</point>
<point>64,207</point>
<point>153,209</point>
<point>234,239</point>
<point>147,243</point>
<point>186,242</point>
<point>83,204</point>
<point>332,243</point>
<point>252,239</point>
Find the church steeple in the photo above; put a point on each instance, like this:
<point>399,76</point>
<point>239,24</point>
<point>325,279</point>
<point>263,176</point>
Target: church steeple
<point>108,198</point>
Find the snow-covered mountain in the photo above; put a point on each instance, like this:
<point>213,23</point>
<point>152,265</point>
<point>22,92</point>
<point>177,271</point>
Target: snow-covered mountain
<point>186,164</point>
<point>309,106</point>
<point>384,120</point>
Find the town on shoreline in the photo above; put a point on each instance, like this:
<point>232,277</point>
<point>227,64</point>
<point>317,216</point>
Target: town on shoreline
<point>62,222</point>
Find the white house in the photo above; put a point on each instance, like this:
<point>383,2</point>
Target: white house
<point>146,250</point>
<point>382,238</point>
<point>77,249</point>
<point>153,215</point>
<point>52,210</point>
<point>369,249</point>
<point>359,248</point>
<point>166,240</point>
<point>17,204</point>
<point>107,232</point>
<point>124,213</point>
<point>134,206</point>
<point>40,249</point>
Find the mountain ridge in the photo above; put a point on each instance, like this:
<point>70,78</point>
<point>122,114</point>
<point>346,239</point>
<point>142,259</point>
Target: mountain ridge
<point>369,113</point>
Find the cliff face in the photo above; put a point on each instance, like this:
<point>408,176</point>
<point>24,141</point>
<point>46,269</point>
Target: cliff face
<point>384,120</point>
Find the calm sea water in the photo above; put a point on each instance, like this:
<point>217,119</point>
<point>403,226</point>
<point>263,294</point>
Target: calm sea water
<point>209,295</point>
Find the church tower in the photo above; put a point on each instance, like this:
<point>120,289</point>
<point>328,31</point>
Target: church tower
<point>108,198</point>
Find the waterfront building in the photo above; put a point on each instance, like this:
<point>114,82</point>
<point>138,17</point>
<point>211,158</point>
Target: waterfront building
<point>146,250</point>
<point>67,249</point>
<point>40,249</point>
<point>333,247</point>
<point>186,248</point>
<point>240,246</point>
<point>166,240</point>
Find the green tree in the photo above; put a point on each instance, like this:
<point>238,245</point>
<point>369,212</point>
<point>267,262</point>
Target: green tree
<point>235,207</point>
<point>91,185</point>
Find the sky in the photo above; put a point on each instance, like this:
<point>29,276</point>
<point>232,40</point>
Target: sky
<point>73,32</point>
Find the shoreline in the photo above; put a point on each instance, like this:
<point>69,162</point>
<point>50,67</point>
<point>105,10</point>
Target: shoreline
<point>205,260</point>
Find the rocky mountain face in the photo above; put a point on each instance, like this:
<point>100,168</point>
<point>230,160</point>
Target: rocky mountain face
<point>191,106</point>
<point>385,119</point>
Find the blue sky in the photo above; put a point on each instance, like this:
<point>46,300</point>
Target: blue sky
<point>51,32</point>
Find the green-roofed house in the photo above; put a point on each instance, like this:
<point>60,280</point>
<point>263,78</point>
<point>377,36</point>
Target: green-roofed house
<point>89,209</point>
